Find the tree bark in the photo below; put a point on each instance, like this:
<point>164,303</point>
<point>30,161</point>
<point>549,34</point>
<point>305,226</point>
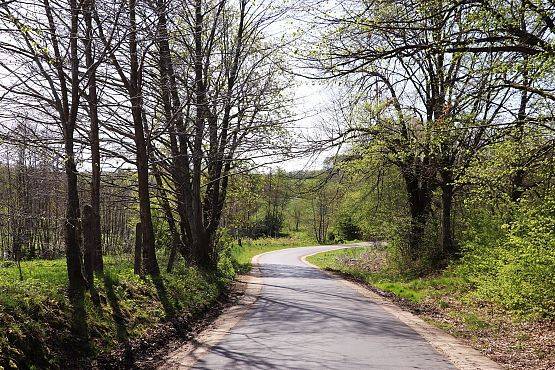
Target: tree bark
<point>420,198</point>
<point>447,192</point>
<point>135,92</point>
<point>88,244</point>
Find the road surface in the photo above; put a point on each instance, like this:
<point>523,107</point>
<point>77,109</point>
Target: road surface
<point>305,319</point>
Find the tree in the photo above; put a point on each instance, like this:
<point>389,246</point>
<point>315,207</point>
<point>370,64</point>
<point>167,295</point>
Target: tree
<point>226,105</point>
<point>430,108</point>
<point>92,103</point>
<point>133,85</point>
<point>52,55</point>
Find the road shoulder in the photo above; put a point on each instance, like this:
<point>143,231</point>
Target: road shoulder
<point>462,356</point>
<point>190,353</point>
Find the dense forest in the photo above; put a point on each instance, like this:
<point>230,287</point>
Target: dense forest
<point>144,144</point>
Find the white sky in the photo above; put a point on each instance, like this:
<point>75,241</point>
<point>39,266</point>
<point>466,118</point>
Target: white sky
<point>312,98</point>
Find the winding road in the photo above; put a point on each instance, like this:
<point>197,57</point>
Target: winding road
<point>305,319</point>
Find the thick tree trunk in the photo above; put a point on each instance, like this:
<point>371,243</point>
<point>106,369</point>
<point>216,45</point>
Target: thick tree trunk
<point>73,242</point>
<point>204,251</point>
<point>76,281</point>
<point>87,226</point>
<point>448,242</point>
<point>420,198</point>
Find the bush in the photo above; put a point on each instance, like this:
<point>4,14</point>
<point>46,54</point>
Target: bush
<point>270,226</point>
<point>347,229</point>
<point>517,270</point>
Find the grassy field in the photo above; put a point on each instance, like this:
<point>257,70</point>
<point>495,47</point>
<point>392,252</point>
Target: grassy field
<point>449,301</point>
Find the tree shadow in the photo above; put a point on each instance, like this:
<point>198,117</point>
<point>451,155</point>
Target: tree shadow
<point>169,309</point>
<point>79,342</point>
<point>121,323</point>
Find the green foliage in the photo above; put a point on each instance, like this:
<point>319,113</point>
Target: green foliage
<point>270,226</point>
<point>517,270</point>
<point>347,229</point>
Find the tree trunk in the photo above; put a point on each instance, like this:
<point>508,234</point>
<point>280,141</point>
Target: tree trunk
<point>203,251</point>
<point>420,198</point>
<point>98,262</point>
<point>88,244</point>
<point>89,251</point>
<point>517,180</point>
<point>135,91</point>
<point>76,281</point>
<point>448,242</point>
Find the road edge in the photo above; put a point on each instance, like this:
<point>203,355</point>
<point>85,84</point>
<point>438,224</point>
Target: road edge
<point>461,355</point>
<point>190,353</point>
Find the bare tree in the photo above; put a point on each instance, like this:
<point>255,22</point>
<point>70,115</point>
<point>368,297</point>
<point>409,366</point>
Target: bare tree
<point>53,56</point>
<point>225,105</point>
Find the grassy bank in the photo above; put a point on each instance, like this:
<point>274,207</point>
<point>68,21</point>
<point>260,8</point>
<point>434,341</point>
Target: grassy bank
<point>450,301</point>
<point>35,313</point>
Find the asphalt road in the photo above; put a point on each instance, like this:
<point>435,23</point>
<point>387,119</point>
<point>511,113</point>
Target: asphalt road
<point>305,319</point>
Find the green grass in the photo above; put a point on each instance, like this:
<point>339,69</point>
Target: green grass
<point>35,313</point>
<point>415,290</point>
<point>242,255</point>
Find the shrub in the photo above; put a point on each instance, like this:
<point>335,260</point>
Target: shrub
<point>347,229</point>
<point>518,269</point>
<point>270,226</point>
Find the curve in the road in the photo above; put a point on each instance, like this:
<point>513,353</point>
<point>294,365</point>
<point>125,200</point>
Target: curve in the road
<point>305,318</point>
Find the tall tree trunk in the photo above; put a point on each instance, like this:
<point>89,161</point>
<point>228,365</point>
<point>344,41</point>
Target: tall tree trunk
<point>68,114</point>
<point>200,243</point>
<point>98,262</point>
<point>517,179</point>
<point>447,192</point>
<point>171,115</point>
<point>135,92</point>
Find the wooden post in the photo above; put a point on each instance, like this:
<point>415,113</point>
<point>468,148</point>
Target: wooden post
<point>88,243</point>
<point>138,266</point>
